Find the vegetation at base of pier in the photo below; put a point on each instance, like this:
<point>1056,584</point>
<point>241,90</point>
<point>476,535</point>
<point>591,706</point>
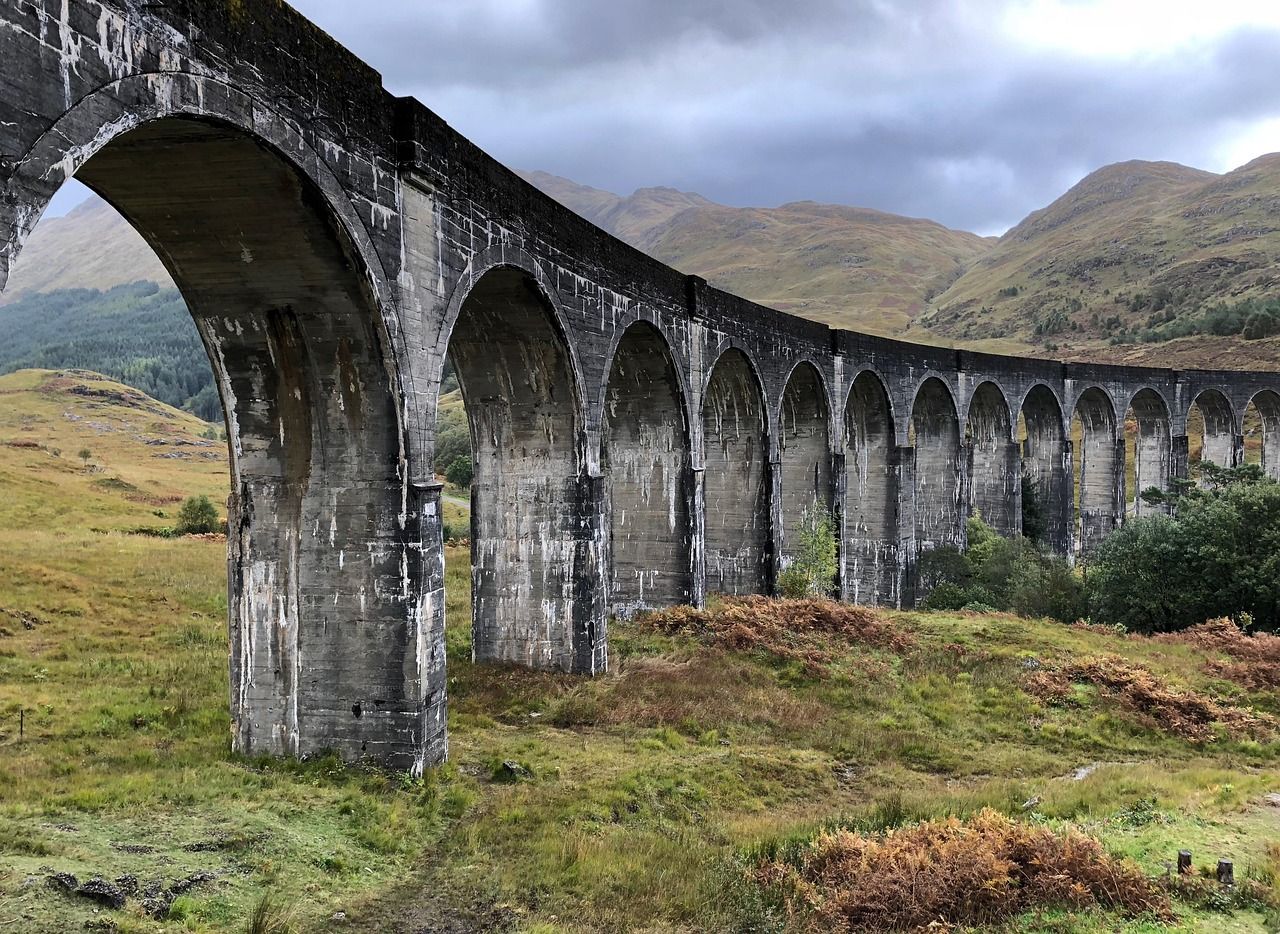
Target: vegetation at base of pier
<point>1006,574</point>
<point>653,798</point>
<point>811,571</point>
<point>1216,554</point>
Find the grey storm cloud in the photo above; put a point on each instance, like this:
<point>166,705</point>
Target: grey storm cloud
<point>921,108</point>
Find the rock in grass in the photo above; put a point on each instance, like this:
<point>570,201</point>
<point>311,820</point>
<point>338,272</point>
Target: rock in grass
<point>103,892</point>
<point>64,880</point>
<point>510,772</point>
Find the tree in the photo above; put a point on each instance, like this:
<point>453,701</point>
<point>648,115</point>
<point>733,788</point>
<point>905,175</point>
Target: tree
<point>812,571</point>
<point>1217,554</point>
<point>85,454</point>
<point>198,516</point>
<point>1035,524</point>
<point>459,472</point>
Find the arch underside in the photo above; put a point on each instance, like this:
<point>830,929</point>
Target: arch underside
<point>1046,463</point>
<point>526,495</point>
<point>1152,451</point>
<point>1101,471</point>
<point>736,494</point>
<point>647,470</point>
<point>316,549</point>
<point>995,481</point>
<point>1219,440</point>
<point>872,548</point>
<point>939,518</point>
<point>804,456</point>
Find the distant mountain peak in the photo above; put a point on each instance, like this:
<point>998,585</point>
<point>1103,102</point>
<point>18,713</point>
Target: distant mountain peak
<point>1132,181</point>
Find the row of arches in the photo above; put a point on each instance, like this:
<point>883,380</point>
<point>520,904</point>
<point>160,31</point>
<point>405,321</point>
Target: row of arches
<point>676,529</point>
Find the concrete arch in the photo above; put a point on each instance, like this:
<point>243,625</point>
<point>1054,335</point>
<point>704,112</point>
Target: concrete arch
<point>995,476</point>
<point>291,301</point>
<point>736,478</point>
<point>524,409</point>
<point>1267,404</point>
<point>804,453</point>
<point>871,547</point>
<point>938,473</point>
<point>947,381</point>
<point>1153,448</point>
<point>732,345</point>
<point>1221,427</point>
<point>499,257</point>
<point>646,460</point>
<point>1101,468</point>
<point>1046,469</point>
<point>655,320</point>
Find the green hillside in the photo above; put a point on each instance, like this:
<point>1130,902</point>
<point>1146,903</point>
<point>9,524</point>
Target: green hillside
<point>1145,262</point>
<point>661,797</point>
<point>139,333</point>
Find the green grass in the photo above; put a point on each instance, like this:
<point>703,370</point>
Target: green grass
<point>644,791</point>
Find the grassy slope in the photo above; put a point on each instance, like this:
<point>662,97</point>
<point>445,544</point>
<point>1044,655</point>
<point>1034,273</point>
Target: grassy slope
<point>647,784</point>
<point>1124,229</point>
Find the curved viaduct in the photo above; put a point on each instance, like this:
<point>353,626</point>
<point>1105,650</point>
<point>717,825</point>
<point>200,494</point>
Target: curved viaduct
<point>640,438</point>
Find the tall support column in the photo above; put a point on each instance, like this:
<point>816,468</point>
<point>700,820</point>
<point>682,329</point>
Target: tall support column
<point>837,522</point>
<point>904,459</point>
<point>425,669</point>
<point>1059,503</point>
<point>1237,451</point>
<point>1180,457</point>
<point>590,577</point>
<point>995,485</point>
<point>697,536</point>
<point>1117,481</point>
<point>773,539</point>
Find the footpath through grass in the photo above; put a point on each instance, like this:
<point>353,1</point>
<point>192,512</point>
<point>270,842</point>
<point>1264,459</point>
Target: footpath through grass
<point>651,799</point>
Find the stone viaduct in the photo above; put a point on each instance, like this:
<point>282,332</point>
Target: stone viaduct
<point>640,438</point>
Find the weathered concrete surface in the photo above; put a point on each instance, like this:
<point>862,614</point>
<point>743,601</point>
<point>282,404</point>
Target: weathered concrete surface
<point>804,455</point>
<point>645,458</point>
<point>639,437</point>
<point>736,480</point>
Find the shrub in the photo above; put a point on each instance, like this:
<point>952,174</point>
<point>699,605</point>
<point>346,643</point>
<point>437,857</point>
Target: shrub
<point>797,630</point>
<point>812,571</point>
<point>1217,554</point>
<point>1010,574</point>
<point>459,471</point>
<point>953,873</point>
<point>198,516</point>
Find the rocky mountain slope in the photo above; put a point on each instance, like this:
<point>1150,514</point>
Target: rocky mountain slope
<point>845,266</point>
<point>92,247</point>
<point>1147,262</point>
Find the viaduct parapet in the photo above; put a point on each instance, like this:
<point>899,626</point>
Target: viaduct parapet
<point>640,438</point>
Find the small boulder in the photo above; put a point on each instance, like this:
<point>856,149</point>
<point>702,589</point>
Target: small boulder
<point>103,892</point>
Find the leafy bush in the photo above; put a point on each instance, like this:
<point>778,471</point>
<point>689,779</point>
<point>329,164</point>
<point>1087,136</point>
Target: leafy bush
<point>198,516</point>
<point>1008,574</point>
<point>1217,554</point>
<point>812,571</point>
<point>460,470</point>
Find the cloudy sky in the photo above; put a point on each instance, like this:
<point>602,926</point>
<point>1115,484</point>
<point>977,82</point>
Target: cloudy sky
<point>971,112</point>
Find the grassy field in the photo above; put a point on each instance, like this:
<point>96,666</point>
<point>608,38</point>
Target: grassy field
<point>635,801</point>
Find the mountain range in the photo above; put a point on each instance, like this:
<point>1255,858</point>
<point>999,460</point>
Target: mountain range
<point>1140,262</point>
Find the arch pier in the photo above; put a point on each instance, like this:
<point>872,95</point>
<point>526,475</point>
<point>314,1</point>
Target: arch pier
<point>640,438</point>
